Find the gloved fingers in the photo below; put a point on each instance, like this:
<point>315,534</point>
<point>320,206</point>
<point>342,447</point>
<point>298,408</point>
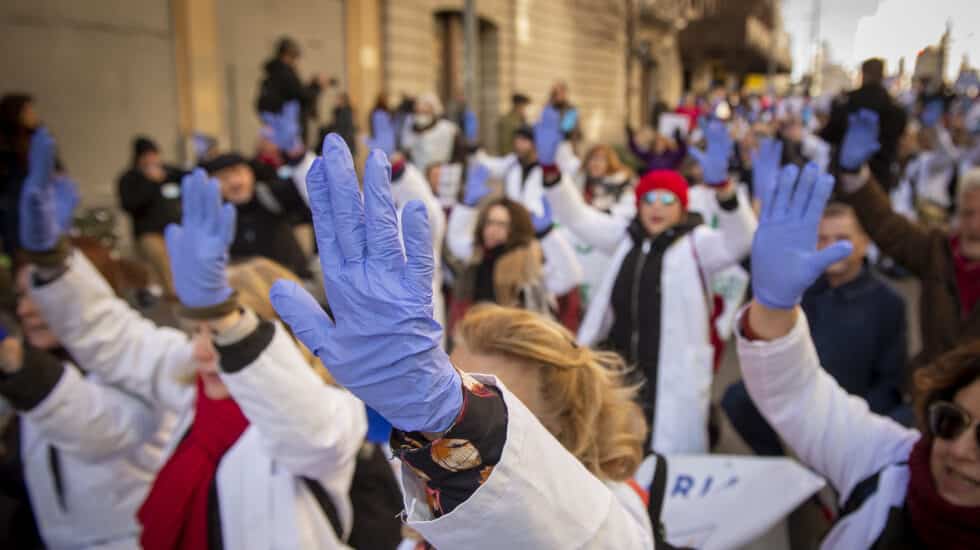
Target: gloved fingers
<point>418,248</point>
<point>306,318</point>
<point>173,234</point>
<point>345,198</point>
<point>381,221</point>
<point>331,259</point>
<point>781,193</point>
<point>291,109</point>
<point>803,191</point>
<point>269,119</point>
<point>41,156</point>
<point>229,217</point>
<point>822,259</point>
<point>211,208</point>
<point>192,197</point>
<point>822,189</point>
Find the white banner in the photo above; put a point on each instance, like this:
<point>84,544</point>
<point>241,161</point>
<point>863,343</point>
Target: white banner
<point>714,502</point>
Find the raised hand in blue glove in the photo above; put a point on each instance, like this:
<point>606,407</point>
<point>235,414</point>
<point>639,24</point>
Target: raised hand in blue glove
<point>932,112</point>
<point>569,120</point>
<point>785,259</point>
<point>765,166</point>
<point>543,222</point>
<point>547,136</point>
<point>714,159</point>
<point>860,140</point>
<point>384,132</point>
<point>476,184</point>
<point>66,191</point>
<point>382,344</point>
<point>285,127</point>
<point>40,203</point>
<point>198,246</point>
<point>471,126</point>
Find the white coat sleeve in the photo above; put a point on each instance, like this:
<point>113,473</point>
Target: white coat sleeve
<point>537,496</point>
<point>831,431</point>
<point>106,336</point>
<point>594,227</point>
<point>460,232</point>
<point>91,421</point>
<point>307,426</point>
<point>730,242</point>
<point>562,270</point>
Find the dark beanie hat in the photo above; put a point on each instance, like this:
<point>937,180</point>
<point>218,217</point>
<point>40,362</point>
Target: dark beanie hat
<point>143,145</point>
<point>524,131</point>
<point>222,161</point>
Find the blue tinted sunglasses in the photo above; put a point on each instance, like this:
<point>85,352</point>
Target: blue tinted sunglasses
<point>666,198</point>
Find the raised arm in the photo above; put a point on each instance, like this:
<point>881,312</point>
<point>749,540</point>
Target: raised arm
<point>897,236</point>
<point>98,329</point>
<point>831,431</point>
<point>90,421</point>
<point>383,345</point>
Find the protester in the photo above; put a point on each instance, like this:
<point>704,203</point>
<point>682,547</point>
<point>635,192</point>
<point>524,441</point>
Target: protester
<point>567,113</point>
<point>149,191</point>
<point>512,257</point>
<point>343,122</point>
<point>898,488</point>
<point>874,96</point>
<point>858,327</point>
<point>655,151</point>
<point>384,345</point>
<point>281,84</point>
<point>430,138</point>
<point>947,263</point>
<point>652,306</point>
<point>78,436</point>
<point>508,123</point>
<point>235,385</point>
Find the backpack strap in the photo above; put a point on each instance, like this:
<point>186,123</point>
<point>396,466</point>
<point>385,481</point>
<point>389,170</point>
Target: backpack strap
<point>326,505</point>
<point>655,506</point>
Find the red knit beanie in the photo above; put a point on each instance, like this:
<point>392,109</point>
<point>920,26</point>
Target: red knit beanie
<point>668,180</point>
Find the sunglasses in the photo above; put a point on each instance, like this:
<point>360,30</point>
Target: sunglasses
<point>666,198</point>
<point>948,421</point>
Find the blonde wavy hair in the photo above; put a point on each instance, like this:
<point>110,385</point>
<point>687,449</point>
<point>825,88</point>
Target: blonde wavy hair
<point>597,418</point>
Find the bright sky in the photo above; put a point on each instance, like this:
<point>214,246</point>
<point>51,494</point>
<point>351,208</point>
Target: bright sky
<point>891,29</point>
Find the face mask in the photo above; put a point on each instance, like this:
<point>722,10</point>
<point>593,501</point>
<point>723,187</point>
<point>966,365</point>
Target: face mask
<point>423,119</point>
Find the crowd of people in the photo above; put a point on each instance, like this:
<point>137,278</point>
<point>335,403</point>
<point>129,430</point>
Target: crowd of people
<point>488,340</point>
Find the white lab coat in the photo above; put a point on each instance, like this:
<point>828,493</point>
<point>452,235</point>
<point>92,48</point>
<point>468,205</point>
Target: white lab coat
<point>829,430</point>
<point>686,355</point>
<point>433,146</point>
<point>538,496</point>
<point>562,272</point>
<point>528,192</point>
<point>109,445</point>
<point>413,186</point>
<point>298,425</point>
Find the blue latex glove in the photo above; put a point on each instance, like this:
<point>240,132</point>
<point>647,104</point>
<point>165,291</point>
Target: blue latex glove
<point>198,247</point>
<point>285,127</point>
<point>932,112</point>
<point>383,344</point>
<point>765,166</point>
<point>471,126</point>
<point>476,184</point>
<point>547,136</point>
<point>543,222</point>
<point>785,259</point>
<point>379,429</point>
<point>569,120</point>
<point>66,191</point>
<point>860,140</point>
<point>40,203</point>
<point>714,159</point>
<point>384,132</point>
